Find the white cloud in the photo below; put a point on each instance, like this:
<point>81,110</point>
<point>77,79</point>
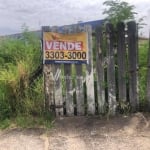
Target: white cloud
<point>35,13</point>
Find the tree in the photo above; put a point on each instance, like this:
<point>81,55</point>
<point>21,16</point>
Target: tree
<point>118,10</point>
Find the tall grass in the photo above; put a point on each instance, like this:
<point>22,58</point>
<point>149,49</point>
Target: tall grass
<point>143,62</point>
<point>19,58</point>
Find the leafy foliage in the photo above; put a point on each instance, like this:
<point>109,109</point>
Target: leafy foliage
<point>143,57</point>
<point>118,10</point>
<point>19,59</point>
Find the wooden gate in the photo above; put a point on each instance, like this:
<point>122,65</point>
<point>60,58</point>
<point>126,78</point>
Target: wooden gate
<point>107,84</point>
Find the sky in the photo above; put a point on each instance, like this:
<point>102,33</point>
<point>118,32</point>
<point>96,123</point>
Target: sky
<point>14,14</point>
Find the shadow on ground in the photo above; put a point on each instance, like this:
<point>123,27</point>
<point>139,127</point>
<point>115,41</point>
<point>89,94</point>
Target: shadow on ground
<point>83,133</point>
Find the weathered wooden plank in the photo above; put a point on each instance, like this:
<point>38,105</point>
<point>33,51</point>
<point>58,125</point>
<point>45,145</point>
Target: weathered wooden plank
<point>48,81</point>
<point>100,71</point>
<point>79,81</point>
<point>58,91</point>
<point>68,81</point>
<point>57,85</point>
<point>111,70</point>
<point>148,77</point>
<point>49,88</point>
<point>121,59</point>
<point>132,55</point>
<point>89,75</point>
<point>69,90</point>
<point>79,90</point>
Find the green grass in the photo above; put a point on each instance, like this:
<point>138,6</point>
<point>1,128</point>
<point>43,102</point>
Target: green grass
<point>27,121</point>
<point>143,60</point>
<point>32,121</point>
<point>5,123</point>
<point>21,102</point>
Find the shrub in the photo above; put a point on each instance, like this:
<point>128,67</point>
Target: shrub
<point>19,59</point>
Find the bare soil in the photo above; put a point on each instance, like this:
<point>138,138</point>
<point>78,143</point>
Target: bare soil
<point>83,133</point>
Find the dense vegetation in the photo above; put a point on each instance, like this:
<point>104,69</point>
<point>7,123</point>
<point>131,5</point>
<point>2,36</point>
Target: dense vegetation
<point>143,66</point>
<point>120,11</point>
<point>21,94</point>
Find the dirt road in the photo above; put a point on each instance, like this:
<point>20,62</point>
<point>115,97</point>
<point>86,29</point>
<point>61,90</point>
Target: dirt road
<point>83,133</point>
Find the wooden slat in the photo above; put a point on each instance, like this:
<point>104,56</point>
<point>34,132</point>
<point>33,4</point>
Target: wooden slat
<point>121,58</point>
<point>132,52</point>
<point>111,70</point>
<point>58,90</point>
<point>89,75</point>
<point>79,90</point>
<point>100,71</point>
<point>49,88</point>
<point>69,90</point>
<point>69,103</point>
<point>58,85</point>
<point>48,82</point>
<point>79,82</point>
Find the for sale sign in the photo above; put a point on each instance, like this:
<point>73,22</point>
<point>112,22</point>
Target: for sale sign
<point>65,48</point>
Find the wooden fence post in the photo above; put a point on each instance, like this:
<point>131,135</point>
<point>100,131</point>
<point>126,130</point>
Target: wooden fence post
<point>121,57</point>
<point>69,103</point>
<point>89,75</point>
<point>100,71</point>
<point>111,69</point>
<point>79,82</point>
<point>57,85</point>
<point>48,81</point>
<point>69,90</point>
<point>79,90</point>
<point>132,55</point>
<point>58,90</point>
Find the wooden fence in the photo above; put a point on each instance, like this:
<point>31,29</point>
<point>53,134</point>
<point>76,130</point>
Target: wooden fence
<point>107,84</point>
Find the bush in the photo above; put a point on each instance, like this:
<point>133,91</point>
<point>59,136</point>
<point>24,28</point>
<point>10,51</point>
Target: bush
<point>19,58</point>
<point>143,58</point>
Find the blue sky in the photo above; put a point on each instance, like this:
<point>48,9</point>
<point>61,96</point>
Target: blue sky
<point>36,13</point>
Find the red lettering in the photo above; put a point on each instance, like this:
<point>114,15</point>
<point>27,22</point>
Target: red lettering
<point>63,45</point>
<point>78,45</point>
<point>56,45</point>
<point>48,45</point>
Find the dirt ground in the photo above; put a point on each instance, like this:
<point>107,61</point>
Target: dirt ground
<point>83,133</point>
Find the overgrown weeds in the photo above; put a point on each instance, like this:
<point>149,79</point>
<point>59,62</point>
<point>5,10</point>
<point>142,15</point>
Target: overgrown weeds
<point>21,101</point>
<point>143,62</point>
